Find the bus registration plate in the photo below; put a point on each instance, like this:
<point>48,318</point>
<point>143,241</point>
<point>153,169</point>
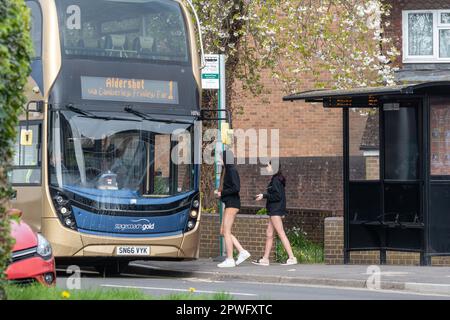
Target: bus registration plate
<point>133,251</point>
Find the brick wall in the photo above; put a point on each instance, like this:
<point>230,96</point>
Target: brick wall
<point>314,183</point>
<point>334,250</point>
<point>310,221</point>
<point>373,168</point>
<point>250,230</point>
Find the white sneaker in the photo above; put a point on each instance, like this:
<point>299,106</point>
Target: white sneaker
<point>290,262</point>
<point>244,255</point>
<point>261,262</point>
<point>228,263</point>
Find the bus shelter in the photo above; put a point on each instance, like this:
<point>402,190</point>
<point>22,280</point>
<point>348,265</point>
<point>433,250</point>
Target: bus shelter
<point>396,167</point>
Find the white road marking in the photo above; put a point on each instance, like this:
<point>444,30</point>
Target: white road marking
<point>81,271</point>
<point>201,280</point>
<point>390,273</point>
<point>177,290</point>
<point>134,264</point>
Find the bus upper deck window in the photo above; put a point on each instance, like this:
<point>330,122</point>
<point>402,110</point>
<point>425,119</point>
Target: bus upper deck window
<point>144,30</point>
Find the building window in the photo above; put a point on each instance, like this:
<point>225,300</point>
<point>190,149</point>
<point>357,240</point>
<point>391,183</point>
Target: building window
<point>426,36</point>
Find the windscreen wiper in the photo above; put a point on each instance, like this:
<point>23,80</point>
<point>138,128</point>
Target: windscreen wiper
<point>149,118</point>
<point>94,116</point>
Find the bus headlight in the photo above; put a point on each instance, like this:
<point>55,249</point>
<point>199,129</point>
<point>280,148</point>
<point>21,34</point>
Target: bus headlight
<point>69,222</point>
<point>59,200</point>
<point>194,214</point>
<point>64,210</point>
<point>44,249</point>
<point>190,225</point>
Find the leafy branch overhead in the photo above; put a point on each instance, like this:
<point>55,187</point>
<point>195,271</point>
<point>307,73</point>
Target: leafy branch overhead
<point>333,43</point>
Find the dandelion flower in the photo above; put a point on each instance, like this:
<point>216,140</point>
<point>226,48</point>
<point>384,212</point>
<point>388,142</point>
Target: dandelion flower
<point>65,294</point>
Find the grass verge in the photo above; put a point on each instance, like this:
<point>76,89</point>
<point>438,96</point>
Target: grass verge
<point>39,292</point>
<point>307,252</point>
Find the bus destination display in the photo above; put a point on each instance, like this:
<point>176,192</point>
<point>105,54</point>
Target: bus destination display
<point>129,90</point>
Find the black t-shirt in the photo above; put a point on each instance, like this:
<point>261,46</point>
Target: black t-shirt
<point>276,197</point>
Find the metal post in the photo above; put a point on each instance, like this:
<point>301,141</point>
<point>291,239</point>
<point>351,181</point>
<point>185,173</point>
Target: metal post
<point>383,257</point>
<point>346,179</point>
<point>425,258</point>
<point>221,115</point>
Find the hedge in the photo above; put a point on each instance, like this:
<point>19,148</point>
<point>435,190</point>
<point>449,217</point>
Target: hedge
<point>15,53</point>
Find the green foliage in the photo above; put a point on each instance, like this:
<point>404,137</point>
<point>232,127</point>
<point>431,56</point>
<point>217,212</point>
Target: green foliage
<point>209,210</point>
<point>305,250</point>
<point>15,52</point>
<point>262,212</point>
<point>39,292</point>
<point>161,186</point>
<point>337,43</point>
<point>299,43</point>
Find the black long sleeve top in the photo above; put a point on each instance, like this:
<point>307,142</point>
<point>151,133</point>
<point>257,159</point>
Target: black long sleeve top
<point>231,183</point>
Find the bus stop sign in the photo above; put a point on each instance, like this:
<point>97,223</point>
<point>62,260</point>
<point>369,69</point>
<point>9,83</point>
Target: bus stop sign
<point>211,72</point>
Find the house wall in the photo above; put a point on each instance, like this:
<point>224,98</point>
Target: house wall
<point>310,146</point>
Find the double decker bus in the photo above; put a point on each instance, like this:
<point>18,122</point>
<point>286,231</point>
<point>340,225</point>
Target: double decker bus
<point>104,165</point>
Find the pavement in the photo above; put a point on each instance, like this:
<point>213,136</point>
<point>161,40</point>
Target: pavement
<point>407,279</point>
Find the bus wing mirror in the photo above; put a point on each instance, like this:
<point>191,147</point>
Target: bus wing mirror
<point>35,106</point>
<point>214,115</point>
<point>26,135</point>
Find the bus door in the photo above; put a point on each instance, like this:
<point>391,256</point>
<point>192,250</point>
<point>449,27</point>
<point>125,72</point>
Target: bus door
<point>25,175</point>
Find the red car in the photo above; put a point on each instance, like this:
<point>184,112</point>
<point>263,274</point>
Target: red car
<point>32,257</point>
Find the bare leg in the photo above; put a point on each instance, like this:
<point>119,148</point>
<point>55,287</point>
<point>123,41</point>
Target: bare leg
<point>278,226</point>
<point>236,243</point>
<point>234,239</point>
<point>228,220</point>
<point>269,240</point>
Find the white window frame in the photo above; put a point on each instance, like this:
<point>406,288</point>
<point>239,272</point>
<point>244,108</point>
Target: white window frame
<point>437,26</point>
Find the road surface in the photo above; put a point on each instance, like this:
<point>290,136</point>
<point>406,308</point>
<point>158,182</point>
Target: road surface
<point>160,285</point>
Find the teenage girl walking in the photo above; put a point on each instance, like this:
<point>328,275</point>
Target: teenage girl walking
<point>229,195</point>
<point>276,207</point>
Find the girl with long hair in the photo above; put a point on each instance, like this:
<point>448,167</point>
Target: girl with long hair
<point>229,195</point>
<point>276,208</point>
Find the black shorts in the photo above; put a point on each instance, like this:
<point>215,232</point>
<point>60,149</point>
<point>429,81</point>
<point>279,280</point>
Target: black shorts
<point>232,202</point>
<point>271,214</point>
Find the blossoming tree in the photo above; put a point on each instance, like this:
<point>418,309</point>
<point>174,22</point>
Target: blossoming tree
<point>336,43</point>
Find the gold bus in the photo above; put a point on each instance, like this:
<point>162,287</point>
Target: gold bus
<point>114,85</point>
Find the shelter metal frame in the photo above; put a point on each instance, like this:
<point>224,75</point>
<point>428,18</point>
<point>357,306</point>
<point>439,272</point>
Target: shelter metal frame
<point>394,235</point>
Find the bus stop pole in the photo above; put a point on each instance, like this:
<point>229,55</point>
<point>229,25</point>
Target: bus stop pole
<point>222,107</point>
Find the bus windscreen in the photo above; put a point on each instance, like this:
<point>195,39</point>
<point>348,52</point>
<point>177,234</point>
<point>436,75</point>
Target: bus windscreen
<point>128,29</point>
<point>111,156</point>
